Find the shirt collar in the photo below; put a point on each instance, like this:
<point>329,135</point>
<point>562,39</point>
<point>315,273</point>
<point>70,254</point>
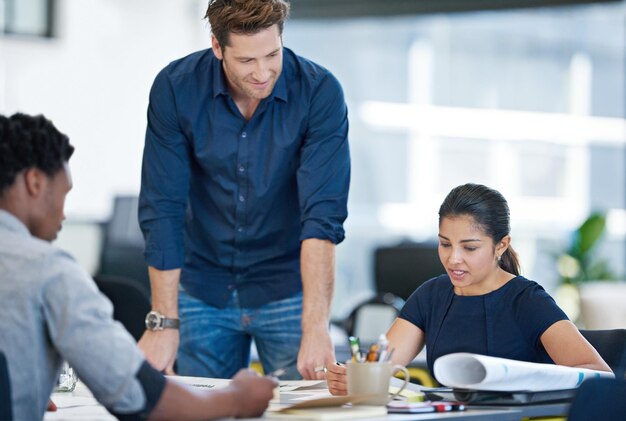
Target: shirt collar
<point>280,89</point>
<point>221,88</point>
<point>219,79</point>
<point>10,222</point>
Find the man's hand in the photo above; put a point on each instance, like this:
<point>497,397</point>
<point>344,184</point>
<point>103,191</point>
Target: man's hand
<point>252,393</point>
<point>160,348</point>
<point>317,261</point>
<point>316,350</point>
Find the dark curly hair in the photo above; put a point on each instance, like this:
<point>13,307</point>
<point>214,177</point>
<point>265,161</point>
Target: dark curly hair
<point>30,142</point>
<point>244,17</point>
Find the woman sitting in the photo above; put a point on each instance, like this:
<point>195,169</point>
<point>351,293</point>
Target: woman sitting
<point>482,304</point>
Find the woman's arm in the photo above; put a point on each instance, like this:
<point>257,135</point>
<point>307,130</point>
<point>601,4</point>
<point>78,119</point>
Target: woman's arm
<point>567,346</point>
<point>405,339</point>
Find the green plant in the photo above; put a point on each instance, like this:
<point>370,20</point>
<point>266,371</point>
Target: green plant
<point>578,263</point>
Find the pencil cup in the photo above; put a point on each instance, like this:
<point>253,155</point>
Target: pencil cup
<point>373,379</point>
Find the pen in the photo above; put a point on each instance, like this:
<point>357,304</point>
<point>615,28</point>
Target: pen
<point>277,373</point>
<point>388,357</point>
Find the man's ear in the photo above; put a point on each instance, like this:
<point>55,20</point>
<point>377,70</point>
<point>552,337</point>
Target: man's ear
<point>34,180</point>
<point>217,49</point>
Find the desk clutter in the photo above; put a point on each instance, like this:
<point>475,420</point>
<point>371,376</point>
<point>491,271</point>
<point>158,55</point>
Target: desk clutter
<point>377,352</point>
<point>81,405</point>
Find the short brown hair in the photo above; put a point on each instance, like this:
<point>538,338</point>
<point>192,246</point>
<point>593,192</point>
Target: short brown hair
<point>244,17</point>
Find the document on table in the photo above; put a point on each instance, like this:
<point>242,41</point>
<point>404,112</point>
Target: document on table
<point>315,408</point>
<point>302,385</point>
<point>201,382</point>
<point>480,372</point>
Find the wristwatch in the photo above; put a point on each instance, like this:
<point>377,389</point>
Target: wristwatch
<point>157,321</point>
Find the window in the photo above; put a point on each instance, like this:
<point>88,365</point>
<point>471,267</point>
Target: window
<point>527,101</point>
<point>26,17</point>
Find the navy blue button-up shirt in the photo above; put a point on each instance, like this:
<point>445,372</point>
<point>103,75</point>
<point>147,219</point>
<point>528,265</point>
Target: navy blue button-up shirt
<point>228,200</point>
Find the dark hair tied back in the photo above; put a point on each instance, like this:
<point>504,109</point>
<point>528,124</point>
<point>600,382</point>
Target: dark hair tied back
<point>489,210</point>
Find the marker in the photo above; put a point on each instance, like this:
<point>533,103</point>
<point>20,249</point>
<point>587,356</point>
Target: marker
<point>383,345</point>
<point>354,348</point>
<point>372,355</point>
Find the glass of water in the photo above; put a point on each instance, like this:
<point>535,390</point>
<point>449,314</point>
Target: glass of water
<point>67,379</point>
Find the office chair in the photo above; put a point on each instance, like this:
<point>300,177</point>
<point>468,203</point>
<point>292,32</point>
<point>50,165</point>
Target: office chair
<point>401,268</point>
<point>599,399</point>
<point>611,345</point>
<point>123,243</point>
<point>130,301</point>
<point>372,317</point>
<point>6,406</point>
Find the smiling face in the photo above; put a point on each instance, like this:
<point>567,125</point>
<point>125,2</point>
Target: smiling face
<point>252,63</point>
<point>469,256</point>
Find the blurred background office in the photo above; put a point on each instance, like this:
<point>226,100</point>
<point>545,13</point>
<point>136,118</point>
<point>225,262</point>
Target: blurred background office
<point>527,97</point>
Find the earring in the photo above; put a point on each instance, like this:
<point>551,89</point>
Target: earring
<point>499,258</point>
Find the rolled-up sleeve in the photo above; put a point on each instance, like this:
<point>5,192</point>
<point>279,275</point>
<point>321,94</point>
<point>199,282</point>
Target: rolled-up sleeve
<point>80,326</point>
<point>324,172</point>
<point>164,179</point>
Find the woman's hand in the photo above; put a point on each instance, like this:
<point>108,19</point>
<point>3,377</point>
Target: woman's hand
<point>336,379</point>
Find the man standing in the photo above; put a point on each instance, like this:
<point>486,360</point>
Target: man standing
<point>244,188</point>
<point>52,310</point>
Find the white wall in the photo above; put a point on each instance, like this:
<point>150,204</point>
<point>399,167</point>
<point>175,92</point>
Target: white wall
<point>93,81</point>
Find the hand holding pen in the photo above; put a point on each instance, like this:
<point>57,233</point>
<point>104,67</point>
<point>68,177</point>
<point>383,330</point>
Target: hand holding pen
<point>336,379</point>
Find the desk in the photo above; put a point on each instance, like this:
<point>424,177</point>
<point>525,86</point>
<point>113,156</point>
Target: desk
<point>81,405</point>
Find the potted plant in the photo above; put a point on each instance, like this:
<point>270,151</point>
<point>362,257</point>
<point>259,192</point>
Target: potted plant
<point>579,265</point>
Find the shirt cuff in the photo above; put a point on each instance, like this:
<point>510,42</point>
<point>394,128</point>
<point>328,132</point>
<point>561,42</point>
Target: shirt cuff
<point>314,229</point>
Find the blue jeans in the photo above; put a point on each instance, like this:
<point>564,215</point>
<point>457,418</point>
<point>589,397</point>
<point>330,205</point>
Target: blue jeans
<point>216,342</point>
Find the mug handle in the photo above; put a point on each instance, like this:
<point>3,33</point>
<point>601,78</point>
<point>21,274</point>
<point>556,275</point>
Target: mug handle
<point>407,377</point>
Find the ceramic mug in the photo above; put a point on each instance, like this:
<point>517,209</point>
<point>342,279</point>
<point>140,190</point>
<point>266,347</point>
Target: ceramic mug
<point>372,378</point>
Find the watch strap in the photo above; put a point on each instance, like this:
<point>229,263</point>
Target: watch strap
<point>170,323</point>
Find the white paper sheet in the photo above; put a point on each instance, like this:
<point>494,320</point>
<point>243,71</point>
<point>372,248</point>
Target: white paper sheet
<point>480,372</point>
<point>201,382</point>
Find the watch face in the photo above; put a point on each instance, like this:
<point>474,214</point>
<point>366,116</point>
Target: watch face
<point>153,321</point>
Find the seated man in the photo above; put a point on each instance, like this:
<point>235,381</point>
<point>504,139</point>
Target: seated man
<point>52,310</point>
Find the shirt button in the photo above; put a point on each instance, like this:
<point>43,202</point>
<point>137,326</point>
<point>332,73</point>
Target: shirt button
<point>240,229</point>
<point>244,135</point>
<point>241,198</point>
<point>241,168</point>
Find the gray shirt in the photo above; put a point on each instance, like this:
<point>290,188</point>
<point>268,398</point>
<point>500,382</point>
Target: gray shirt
<point>52,311</point>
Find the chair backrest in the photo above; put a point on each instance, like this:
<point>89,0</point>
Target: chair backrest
<point>599,399</point>
<point>611,345</point>
<point>401,268</point>
<point>373,317</point>
<point>6,406</point>
<point>123,245</point>
<point>130,301</point>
